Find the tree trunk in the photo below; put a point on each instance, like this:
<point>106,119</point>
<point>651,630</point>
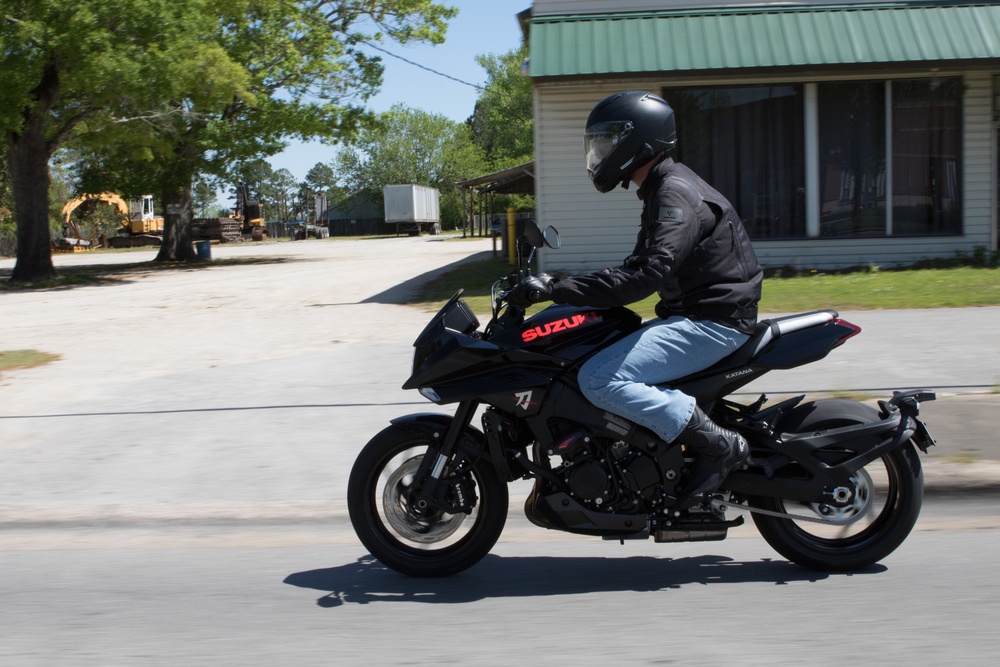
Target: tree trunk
<point>28,157</point>
<point>177,245</point>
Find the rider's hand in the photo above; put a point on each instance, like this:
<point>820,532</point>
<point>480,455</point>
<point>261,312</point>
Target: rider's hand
<point>533,289</point>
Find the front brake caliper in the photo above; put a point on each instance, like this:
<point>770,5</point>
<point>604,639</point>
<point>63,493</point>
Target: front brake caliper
<point>457,494</point>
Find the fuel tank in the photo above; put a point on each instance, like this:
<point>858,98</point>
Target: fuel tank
<point>570,332</point>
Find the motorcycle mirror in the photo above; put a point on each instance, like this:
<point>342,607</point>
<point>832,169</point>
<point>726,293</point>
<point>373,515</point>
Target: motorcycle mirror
<point>551,236</point>
<point>536,238</point>
<point>533,235</point>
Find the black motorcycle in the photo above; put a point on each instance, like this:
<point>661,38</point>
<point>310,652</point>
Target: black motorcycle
<point>832,484</point>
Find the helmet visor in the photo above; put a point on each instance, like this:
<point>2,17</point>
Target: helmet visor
<point>600,139</point>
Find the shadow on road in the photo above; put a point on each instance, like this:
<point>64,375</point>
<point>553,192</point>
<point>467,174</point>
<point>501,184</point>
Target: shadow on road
<point>367,580</point>
<point>405,292</point>
<point>86,275</point>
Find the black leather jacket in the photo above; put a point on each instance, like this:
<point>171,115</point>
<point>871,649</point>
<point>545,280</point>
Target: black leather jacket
<point>692,250</point>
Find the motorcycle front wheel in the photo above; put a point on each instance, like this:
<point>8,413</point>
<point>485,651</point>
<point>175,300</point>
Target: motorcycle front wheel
<point>886,506</point>
<point>417,543</point>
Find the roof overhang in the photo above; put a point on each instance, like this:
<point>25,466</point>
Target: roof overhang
<point>514,180</point>
<point>683,43</point>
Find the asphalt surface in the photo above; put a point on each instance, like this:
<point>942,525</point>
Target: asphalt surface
<point>242,392</point>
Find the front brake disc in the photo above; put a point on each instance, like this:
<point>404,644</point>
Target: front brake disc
<point>399,513</point>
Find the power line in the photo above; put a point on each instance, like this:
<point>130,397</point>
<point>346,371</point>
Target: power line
<point>423,67</point>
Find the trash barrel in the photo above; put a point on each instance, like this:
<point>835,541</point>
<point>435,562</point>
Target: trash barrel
<point>203,249</point>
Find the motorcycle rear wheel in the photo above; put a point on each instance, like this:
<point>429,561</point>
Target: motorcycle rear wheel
<point>435,545</point>
<point>888,504</point>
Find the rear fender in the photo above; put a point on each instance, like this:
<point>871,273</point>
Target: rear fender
<point>833,438</point>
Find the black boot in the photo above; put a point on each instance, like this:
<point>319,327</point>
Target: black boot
<point>717,452</point>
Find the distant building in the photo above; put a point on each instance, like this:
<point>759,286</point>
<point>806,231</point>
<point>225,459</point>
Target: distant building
<point>359,215</point>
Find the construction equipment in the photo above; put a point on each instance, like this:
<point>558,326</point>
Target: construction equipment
<point>140,226</point>
<point>246,222</point>
<point>249,214</point>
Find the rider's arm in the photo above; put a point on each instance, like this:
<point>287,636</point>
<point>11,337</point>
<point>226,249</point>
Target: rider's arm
<point>663,244</point>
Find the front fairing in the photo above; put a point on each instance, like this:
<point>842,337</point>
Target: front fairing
<point>458,362</point>
<point>452,357</point>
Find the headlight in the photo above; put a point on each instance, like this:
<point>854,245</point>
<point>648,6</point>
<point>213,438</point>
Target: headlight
<point>429,394</point>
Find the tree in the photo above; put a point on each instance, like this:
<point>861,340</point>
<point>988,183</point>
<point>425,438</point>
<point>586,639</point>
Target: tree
<point>280,191</point>
<point>503,121</point>
<point>160,91</point>
<point>68,63</point>
<point>204,198</point>
<point>305,76</point>
<point>321,178</point>
<point>409,146</point>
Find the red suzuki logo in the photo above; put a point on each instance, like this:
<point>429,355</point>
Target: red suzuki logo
<point>564,324</point>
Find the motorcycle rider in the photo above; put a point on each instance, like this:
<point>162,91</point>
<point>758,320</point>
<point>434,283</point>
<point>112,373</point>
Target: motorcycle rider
<point>693,250</point>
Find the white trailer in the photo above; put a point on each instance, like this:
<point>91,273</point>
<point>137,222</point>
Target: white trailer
<point>410,206</point>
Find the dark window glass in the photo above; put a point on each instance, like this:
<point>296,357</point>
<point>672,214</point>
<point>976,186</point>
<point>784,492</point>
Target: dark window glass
<point>747,143</point>
<point>851,118</point>
<point>926,156</point>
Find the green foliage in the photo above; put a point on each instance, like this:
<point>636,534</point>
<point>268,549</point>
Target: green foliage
<point>409,146</point>
<point>203,198</point>
<point>322,178</point>
<point>280,196</point>
<point>503,121</point>
<point>155,92</point>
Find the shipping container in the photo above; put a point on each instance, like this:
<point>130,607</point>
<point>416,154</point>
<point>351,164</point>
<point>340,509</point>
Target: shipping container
<point>411,204</point>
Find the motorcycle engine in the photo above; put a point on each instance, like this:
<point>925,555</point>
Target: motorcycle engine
<point>610,476</point>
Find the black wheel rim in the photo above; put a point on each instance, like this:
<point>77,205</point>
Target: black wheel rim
<point>883,505</point>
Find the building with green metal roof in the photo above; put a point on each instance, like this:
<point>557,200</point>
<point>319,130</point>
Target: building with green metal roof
<point>845,133</point>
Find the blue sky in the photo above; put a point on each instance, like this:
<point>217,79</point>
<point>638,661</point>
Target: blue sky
<point>481,27</point>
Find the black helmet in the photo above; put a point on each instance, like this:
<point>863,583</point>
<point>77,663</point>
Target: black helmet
<point>624,132</point>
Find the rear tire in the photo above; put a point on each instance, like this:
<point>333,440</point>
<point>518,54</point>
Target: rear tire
<point>890,495</point>
<point>435,546</point>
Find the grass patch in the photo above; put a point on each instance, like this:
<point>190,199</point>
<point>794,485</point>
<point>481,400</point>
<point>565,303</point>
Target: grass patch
<point>11,359</point>
<point>958,287</point>
<point>962,459</point>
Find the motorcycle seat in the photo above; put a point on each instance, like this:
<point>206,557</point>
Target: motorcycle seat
<point>770,330</point>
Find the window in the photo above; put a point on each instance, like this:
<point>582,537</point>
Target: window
<point>747,142</point>
<point>851,119</point>
<point>926,151</point>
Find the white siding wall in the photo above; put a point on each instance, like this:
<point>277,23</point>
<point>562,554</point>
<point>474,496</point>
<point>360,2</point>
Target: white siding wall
<point>596,230</point>
<point>599,230</point>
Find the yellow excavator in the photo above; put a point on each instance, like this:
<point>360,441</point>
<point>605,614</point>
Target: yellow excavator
<point>140,225</point>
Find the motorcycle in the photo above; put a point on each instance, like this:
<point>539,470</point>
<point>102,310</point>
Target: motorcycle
<point>832,484</point>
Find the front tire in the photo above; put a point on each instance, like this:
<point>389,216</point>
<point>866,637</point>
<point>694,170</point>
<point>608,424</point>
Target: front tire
<point>886,507</point>
<point>435,545</point>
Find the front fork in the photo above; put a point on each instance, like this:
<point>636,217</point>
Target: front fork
<point>428,494</point>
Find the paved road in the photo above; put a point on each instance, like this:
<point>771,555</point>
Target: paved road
<point>572,601</point>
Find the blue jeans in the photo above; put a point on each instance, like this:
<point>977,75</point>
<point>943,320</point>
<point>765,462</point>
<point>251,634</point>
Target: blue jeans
<point>622,378</point>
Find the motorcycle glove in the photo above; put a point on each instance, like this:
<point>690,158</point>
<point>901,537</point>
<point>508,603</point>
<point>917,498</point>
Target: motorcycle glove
<point>538,288</point>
